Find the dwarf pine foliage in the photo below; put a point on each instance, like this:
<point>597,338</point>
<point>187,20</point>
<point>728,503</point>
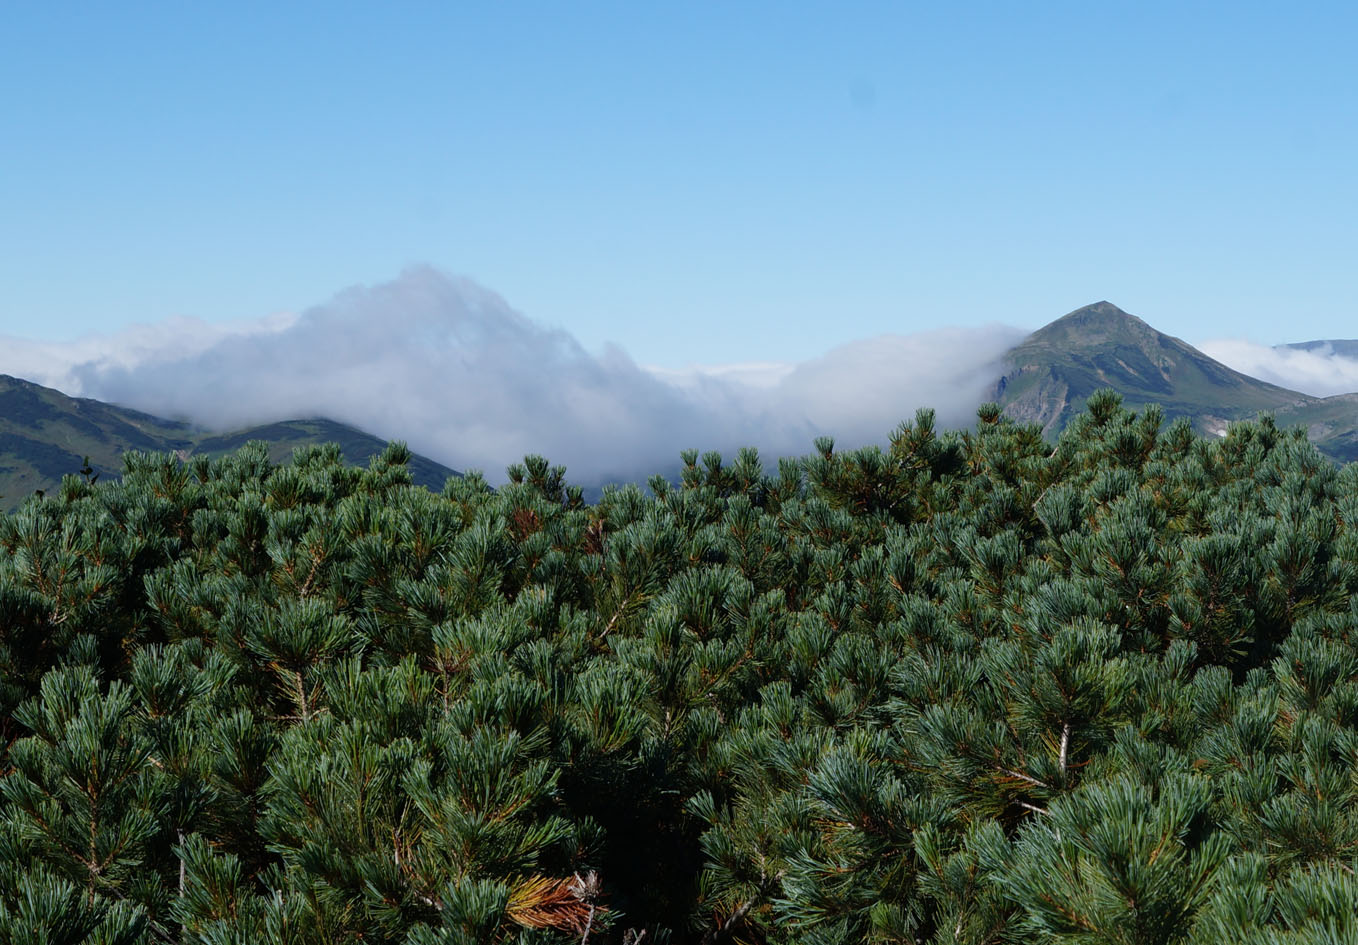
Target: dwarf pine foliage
<point>969,688</point>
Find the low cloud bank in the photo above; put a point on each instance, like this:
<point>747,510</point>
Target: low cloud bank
<point>449,367</point>
<point>1320,372</point>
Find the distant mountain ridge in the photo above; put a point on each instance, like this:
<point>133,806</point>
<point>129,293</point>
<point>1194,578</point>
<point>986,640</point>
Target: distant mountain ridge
<point>44,435</point>
<point>1344,347</point>
<point>1049,376</point>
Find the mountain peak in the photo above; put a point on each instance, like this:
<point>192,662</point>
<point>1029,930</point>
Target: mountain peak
<point>1058,366</point>
<point>1103,308</point>
<point>1097,324</point>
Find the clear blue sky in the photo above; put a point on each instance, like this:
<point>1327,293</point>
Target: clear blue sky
<point>696,181</point>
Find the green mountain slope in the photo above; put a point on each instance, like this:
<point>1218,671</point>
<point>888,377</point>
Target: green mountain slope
<point>1051,374</point>
<point>45,435</point>
<point>1331,423</point>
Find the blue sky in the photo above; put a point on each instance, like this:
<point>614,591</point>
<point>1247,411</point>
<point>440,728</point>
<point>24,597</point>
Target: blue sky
<point>698,182</point>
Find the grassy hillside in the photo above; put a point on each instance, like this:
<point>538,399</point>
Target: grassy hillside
<point>1331,423</point>
<point>358,447</point>
<point>45,435</point>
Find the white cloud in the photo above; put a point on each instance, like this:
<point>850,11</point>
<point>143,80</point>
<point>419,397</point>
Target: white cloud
<point>53,363</point>
<point>861,390</point>
<point>760,374</point>
<point>1319,372</point>
<point>449,367</point>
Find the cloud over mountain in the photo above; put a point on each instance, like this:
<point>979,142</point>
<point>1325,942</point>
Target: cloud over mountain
<point>451,368</point>
<point>1320,371</point>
